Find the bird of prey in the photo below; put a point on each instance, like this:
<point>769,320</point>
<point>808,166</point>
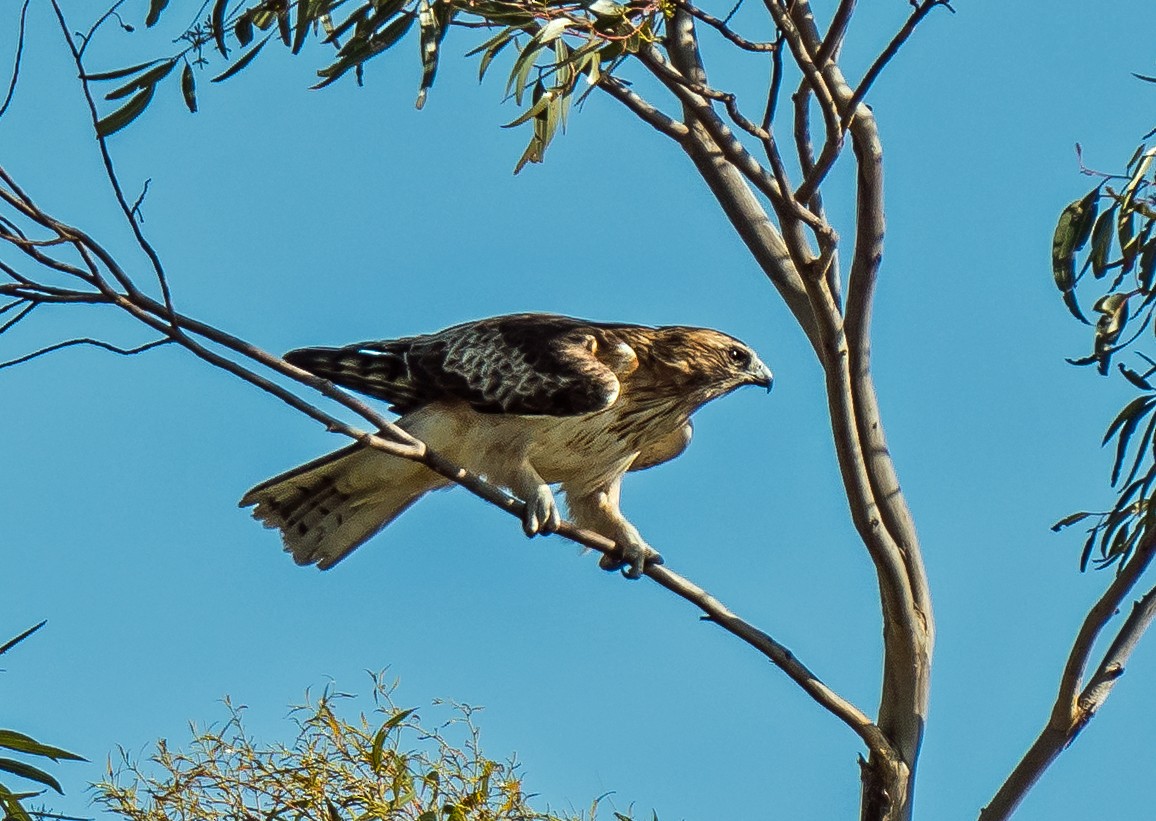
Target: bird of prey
<point>525,400</point>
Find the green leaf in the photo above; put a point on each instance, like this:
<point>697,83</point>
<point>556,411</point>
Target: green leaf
<point>1102,242</point>
<point>1126,431</point>
<point>1135,378</point>
<point>155,9</point>
<point>1147,264</point>
<point>12,740</point>
<point>1136,406</point>
<point>306,10</point>
<point>149,78</point>
<point>242,61</point>
<point>217,18</point>
<point>430,38</point>
<point>1144,77</point>
<point>189,88</point>
<point>120,72</point>
<point>1086,553</point>
<point>520,73</point>
<point>124,115</point>
<point>1072,231</point>
<point>283,28</point>
<point>12,806</point>
<point>243,29</point>
<point>350,21</point>
<point>537,108</point>
<point>1126,225</point>
<point>492,48</point>
<point>23,770</point>
<point>1070,520</point>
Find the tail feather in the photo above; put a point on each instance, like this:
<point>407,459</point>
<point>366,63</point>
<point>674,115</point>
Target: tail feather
<point>327,508</point>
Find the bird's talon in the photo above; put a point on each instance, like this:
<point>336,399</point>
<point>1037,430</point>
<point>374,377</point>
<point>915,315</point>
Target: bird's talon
<point>541,513</point>
<point>631,560</point>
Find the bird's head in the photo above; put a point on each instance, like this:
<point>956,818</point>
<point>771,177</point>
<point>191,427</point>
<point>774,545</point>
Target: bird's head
<point>710,363</point>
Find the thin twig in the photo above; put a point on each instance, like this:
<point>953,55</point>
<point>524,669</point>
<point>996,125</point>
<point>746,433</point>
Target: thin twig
<point>85,341</point>
<point>23,312</point>
<point>16,61</point>
<point>8,645</point>
<point>106,157</point>
<point>726,31</point>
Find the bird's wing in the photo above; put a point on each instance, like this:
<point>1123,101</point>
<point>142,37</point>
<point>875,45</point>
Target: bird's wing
<point>526,364</point>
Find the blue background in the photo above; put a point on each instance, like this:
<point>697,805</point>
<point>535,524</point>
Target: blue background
<point>294,218</point>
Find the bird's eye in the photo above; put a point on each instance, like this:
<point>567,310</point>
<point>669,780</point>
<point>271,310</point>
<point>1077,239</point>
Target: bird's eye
<point>739,356</point>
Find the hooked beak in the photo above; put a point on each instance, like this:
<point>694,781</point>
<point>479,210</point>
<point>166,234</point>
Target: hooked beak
<point>761,375</point>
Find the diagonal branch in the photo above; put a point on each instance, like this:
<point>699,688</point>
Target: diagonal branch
<point>726,31</point>
<point>646,111</point>
<point>1074,707</point>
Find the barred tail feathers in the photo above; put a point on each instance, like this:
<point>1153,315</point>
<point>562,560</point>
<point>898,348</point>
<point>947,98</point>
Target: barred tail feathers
<point>328,507</point>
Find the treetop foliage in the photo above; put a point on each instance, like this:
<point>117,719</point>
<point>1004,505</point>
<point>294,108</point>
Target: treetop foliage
<point>1110,234</point>
<point>387,765</point>
<point>558,43</point>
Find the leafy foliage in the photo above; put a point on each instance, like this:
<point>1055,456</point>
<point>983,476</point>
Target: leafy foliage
<point>19,744</point>
<point>386,765</point>
<point>1111,234</point>
<point>557,42</point>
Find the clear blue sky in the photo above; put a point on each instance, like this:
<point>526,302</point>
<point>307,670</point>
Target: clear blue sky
<point>297,218</point>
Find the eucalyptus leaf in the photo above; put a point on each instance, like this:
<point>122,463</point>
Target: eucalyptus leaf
<point>189,88</point>
<point>155,9</point>
<point>242,61</point>
<point>114,122</point>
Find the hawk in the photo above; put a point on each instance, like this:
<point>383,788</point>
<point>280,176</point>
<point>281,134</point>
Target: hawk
<point>525,400</point>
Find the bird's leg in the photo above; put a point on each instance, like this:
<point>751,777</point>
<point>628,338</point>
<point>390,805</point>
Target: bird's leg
<point>598,510</point>
<point>541,514</point>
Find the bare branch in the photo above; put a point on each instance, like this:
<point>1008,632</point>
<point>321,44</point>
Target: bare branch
<point>85,341</point>
<point>106,157</point>
<point>833,39</point>
<point>23,312</point>
<point>850,104</point>
<point>15,61</point>
<point>922,9</point>
<point>726,31</point>
<point>645,110</point>
<point>1074,708</point>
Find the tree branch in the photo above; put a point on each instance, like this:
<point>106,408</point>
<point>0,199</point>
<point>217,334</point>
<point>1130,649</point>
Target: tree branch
<point>726,31</point>
<point>647,112</point>
<point>1074,708</point>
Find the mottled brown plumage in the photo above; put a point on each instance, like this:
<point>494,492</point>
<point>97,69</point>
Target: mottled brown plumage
<point>527,400</point>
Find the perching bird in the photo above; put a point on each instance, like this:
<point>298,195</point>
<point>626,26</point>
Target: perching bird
<point>526,400</point>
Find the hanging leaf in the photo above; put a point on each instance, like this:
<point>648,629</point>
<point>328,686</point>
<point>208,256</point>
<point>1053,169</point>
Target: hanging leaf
<point>18,742</point>
<point>124,115</point>
<point>305,12</point>
<point>23,770</point>
<point>243,29</point>
<point>1072,231</point>
<point>1126,226</point>
<point>217,20</point>
<point>155,9</point>
<point>120,72</point>
<point>357,16</point>
<point>1133,408</point>
<point>1147,264</point>
<point>430,38</point>
<point>1135,378</point>
<point>242,61</point>
<point>189,88</point>
<point>149,78</point>
<point>1070,520</point>
<point>1102,242</point>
